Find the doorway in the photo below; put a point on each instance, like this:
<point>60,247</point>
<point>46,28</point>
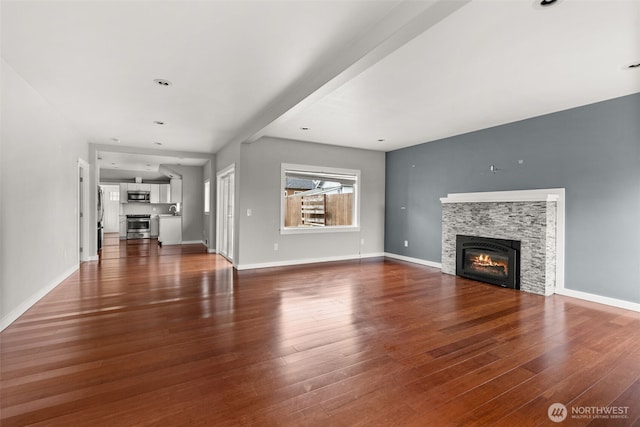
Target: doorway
<point>83,211</point>
<point>111,206</point>
<point>225,211</point>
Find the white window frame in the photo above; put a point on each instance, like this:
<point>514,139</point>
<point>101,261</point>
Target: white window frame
<point>290,167</point>
<point>207,196</point>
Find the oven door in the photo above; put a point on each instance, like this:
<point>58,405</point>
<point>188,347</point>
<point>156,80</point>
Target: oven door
<point>138,228</point>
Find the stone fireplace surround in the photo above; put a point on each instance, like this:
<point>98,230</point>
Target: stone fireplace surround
<point>535,217</point>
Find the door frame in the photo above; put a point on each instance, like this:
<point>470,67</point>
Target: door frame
<point>82,214</point>
<point>228,252</point>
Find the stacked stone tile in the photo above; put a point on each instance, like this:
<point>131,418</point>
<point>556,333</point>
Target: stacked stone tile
<point>531,222</point>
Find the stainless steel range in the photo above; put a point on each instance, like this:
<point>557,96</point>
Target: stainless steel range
<point>138,226</point>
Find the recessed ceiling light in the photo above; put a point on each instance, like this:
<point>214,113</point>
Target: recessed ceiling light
<point>158,122</point>
<point>148,164</point>
<point>381,140</point>
<point>547,2</point>
<point>304,128</point>
<point>112,163</point>
<point>115,139</point>
<point>632,66</point>
<point>162,82</point>
<point>158,143</point>
<point>99,158</point>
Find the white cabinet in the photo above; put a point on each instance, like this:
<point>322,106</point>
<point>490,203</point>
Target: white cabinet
<point>170,230</point>
<point>176,191</point>
<point>139,187</point>
<point>154,197</point>
<point>164,193</point>
<point>123,192</point>
<point>155,226</point>
<point>123,226</point>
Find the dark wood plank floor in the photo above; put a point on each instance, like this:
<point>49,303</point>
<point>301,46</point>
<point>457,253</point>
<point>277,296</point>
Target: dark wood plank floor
<point>174,336</point>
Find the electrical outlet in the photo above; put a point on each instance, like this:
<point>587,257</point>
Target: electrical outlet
<point>275,246</point>
<point>406,243</point>
<point>362,241</point>
<point>249,212</point>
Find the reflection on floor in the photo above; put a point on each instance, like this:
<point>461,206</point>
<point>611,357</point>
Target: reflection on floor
<point>114,248</point>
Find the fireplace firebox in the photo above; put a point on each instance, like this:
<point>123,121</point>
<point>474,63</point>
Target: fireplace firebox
<point>495,261</point>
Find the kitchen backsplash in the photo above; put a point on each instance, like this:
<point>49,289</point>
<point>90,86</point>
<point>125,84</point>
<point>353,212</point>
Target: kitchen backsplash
<point>143,208</point>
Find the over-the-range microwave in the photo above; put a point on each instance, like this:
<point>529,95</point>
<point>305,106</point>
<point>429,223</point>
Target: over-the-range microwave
<point>138,196</point>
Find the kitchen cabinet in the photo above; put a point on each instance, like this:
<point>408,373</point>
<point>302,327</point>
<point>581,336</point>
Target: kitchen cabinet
<point>123,192</point>
<point>176,191</point>
<point>155,226</point>
<point>154,197</point>
<point>123,227</point>
<point>170,230</point>
<point>164,193</point>
<point>139,187</point>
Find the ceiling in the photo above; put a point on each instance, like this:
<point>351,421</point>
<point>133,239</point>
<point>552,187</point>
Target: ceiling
<point>374,74</point>
<point>116,166</point>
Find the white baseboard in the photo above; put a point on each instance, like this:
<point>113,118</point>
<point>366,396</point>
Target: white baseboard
<point>93,258</point>
<point>414,260</point>
<point>193,242</point>
<point>26,305</point>
<point>627,305</point>
<point>306,261</point>
<point>212,250</point>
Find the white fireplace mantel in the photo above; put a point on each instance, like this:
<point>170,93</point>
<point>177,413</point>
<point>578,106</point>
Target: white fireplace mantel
<point>541,195</point>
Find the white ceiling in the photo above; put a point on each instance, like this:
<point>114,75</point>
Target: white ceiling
<point>147,166</point>
<point>353,72</point>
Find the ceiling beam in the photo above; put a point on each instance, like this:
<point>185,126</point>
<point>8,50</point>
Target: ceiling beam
<point>406,21</point>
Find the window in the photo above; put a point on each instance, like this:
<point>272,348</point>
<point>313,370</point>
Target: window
<point>207,194</point>
<point>114,196</point>
<point>319,199</point>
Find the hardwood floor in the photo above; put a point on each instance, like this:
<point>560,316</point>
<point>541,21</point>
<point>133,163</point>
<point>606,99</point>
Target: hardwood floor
<point>174,336</point>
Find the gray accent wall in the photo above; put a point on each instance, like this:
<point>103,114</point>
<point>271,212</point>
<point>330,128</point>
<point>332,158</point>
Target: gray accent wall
<point>260,191</point>
<point>592,151</point>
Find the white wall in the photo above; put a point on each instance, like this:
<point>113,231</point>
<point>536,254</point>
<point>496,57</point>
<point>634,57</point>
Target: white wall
<point>260,191</point>
<point>38,177</point>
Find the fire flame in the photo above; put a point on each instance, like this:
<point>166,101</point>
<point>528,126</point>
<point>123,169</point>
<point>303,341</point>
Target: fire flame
<point>485,260</point>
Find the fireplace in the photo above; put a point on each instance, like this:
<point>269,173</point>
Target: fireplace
<point>495,261</point>
<point>533,217</point>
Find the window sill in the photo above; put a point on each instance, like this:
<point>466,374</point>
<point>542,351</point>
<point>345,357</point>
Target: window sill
<point>316,230</point>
